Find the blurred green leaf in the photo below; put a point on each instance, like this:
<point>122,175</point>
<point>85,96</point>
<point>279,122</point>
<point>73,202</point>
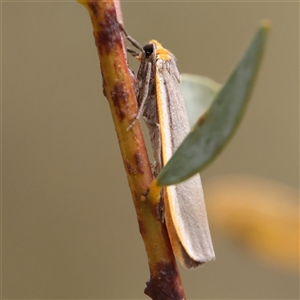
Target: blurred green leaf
<point>198,94</point>
<point>213,129</point>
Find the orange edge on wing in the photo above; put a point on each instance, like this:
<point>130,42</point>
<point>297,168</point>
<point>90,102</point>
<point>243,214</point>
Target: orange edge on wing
<point>181,253</point>
<point>173,230</point>
<point>161,52</point>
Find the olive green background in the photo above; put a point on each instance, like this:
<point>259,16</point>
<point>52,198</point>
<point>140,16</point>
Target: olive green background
<point>69,229</point>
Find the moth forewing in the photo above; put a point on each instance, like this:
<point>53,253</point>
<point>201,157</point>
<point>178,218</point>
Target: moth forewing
<point>185,210</point>
<point>187,223</point>
<point>163,109</point>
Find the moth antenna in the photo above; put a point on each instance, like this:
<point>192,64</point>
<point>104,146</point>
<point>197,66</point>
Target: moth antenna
<point>130,39</point>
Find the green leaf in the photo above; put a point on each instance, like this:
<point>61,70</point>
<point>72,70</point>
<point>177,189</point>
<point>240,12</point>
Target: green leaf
<point>198,94</point>
<point>213,129</point>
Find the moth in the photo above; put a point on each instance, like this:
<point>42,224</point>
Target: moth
<point>162,106</point>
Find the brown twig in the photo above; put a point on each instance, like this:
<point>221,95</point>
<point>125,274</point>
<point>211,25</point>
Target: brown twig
<point>118,87</point>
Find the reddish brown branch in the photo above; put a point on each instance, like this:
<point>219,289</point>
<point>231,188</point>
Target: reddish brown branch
<point>165,282</point>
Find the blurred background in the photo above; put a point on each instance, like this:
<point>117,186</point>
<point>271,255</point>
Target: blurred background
<point>69,229</point>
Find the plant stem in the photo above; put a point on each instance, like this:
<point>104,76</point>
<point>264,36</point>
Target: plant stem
<point>118,87</point>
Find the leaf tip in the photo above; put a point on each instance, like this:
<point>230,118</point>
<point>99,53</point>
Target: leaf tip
<point>266,24</point>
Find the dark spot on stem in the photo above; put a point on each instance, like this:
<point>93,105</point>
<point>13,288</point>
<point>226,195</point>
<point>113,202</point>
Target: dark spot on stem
<point>166,284</point>
<point>94,7</point>
<point>139,163</point>
<point>119,97</point>
<point>130,169</point>
<point>109,36</point>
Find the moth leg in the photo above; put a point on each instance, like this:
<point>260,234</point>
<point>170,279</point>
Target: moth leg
<point>154,169</point>
<point>160,209</point>
<point>144,96</point>
<point>151,123</point>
